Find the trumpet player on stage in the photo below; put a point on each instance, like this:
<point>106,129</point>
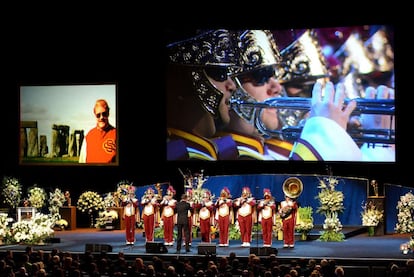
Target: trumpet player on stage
<point>245,206</point>
<point>130,215</point>
<point>168,204</point>
<point>150,205</point>
<point>206,216</point>
<point>267,216</point>
<point>224,215</point>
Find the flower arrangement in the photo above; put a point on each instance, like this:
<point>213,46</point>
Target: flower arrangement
<point>4,225</point>
<point>195,183</point>
<point>32,231</point>
<point>331,204</point>
<point>61,223</point>
<point>90,201</point>
<point>371,215</point>
<point>56,200</point>
<point>37,197</point>
<point>330,199</point>
<point>110,200</point>
<point>213,231</point>
<point>11,191</point>
<point>104,217</point>
<point>405,222</point>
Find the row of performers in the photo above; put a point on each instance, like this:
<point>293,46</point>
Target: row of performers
<point>157,210</point>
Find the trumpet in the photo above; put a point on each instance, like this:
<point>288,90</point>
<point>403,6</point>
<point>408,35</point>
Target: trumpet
<point>292,133</point>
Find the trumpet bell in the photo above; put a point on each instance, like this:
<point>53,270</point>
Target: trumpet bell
<point>292,187</point>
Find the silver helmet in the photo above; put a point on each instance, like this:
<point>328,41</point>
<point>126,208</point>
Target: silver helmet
<point>210,53</point>
<point>259,57</point>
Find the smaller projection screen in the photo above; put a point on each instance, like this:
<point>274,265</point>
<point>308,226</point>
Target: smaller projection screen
<point>68,124</point>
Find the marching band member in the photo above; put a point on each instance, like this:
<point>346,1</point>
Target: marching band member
<point>267,216</point>
<point>198,90</point>
<point>245,209</point>
<point>168,204</point>
<point>130,215</point>
<point>150,209</point>
<point>288,209</point>
<point>256,82</point>
<point>224,215</point>
<point>205,215</point>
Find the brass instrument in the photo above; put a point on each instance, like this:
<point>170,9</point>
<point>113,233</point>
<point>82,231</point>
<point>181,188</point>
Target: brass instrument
<point>292,133</point>
<point>159,191</point>
<point>292,187</point>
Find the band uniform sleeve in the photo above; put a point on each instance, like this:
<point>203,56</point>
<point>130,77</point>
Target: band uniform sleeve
<point>323,138</point>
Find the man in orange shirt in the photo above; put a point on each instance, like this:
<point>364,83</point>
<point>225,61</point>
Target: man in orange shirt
<point>99,144</point>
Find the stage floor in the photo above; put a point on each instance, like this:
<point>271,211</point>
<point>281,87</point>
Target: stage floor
<point>357,247</point>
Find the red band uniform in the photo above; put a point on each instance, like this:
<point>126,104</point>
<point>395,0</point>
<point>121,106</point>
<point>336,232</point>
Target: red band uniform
<point>130,204</point>
<point>149,205</point>
<point>205,215</point>
<point>223,215</point>
<point>267,216</point>
<point>288,210</point>
<point>168,204</point>
<point>245,208</point>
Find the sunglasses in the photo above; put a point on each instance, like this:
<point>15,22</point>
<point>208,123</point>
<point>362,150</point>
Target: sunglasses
<point>258,77</point>
<point>103,114</point>
<point>219,74</point>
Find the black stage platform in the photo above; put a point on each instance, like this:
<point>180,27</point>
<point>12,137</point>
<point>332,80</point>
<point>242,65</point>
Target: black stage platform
<point>357,246</point>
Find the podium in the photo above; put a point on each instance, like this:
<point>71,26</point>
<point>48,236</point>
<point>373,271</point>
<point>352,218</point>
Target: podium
<point>69,214</point>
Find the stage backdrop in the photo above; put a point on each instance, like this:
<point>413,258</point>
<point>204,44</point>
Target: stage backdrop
<point>354,190</point>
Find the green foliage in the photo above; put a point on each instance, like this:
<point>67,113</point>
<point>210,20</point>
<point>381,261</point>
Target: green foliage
<point>257,228</point>
<point>159,233</point>
<point>234,232</point>
<point>331,236</point>
<point>305,214</point>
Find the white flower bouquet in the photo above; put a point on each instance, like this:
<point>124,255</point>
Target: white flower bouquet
<point>4,225</point>
<point>90,201</point>
<point>371,216</point>
<point>33,231</point>
<point>56,200</point>
<point>11,191</point>
<point>37,197</point>
<point>331,203</point>
<point>61,223</point>
<point>405,222</point>
<point>104,217</point>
